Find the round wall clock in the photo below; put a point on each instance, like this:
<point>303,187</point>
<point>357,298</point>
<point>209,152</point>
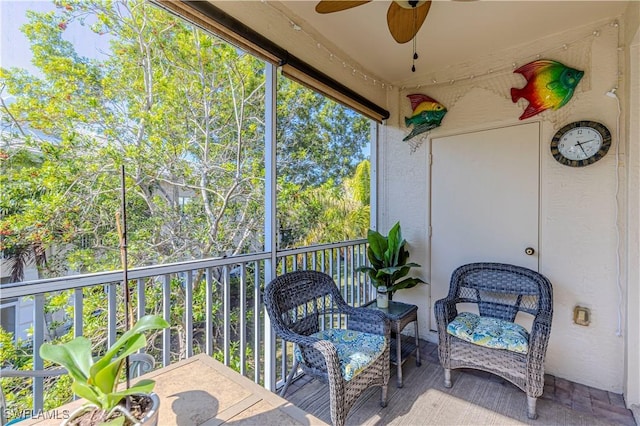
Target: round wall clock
<point>580,143</point>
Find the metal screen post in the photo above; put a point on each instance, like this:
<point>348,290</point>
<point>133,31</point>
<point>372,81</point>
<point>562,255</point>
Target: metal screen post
<point>270,226</point>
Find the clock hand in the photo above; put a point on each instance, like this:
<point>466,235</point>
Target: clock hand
<point>580,145</point>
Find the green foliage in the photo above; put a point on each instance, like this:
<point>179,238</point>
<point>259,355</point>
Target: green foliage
<point>97,380</point>
<point>318,140</point>
<point>184,112</point>
<point>327,213</point>
<point>388,258</point>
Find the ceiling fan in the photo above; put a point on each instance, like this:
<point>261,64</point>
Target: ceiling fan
<point>404,18</point>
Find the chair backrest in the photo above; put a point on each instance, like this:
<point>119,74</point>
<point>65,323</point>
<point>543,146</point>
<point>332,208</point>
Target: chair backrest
<point>296,300</point>
<point>501,290</point>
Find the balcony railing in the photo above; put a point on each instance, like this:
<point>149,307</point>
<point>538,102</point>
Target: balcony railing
<point>213,306</point>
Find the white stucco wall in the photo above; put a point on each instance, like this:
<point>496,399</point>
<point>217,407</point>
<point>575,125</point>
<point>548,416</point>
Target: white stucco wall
<point>631,96</point>
<point>579,230</point>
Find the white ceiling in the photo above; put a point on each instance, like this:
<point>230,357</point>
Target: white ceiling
<point>454,31</point>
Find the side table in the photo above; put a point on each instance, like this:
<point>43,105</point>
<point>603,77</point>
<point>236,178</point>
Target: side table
<point>399,315</point>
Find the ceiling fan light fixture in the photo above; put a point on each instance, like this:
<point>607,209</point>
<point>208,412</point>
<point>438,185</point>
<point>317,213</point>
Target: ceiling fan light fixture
<point>407,4</point>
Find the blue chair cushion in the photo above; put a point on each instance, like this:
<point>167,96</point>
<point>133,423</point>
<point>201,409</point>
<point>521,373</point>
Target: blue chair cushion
<point>490,332</point>
<point>356,350</point>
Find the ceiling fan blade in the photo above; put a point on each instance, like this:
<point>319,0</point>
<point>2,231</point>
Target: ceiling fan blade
<point>404,23</point>
<point>329,6</point>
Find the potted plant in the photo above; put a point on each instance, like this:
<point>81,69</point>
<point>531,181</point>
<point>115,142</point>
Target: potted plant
<point>388,262</point>
<point>96,380</point>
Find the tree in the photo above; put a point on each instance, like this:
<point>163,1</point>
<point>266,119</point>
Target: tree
<point>183,111</point>
<point>318,140</point>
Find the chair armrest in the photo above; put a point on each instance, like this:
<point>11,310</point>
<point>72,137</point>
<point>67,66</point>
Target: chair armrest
<point>445,311</point>
<point>539,336</point>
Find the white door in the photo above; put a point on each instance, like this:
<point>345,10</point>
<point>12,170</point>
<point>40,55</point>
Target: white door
<point>484,201</point>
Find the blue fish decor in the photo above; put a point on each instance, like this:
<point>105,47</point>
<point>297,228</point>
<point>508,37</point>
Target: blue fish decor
<point>427,114</point>
<point>550,85</point>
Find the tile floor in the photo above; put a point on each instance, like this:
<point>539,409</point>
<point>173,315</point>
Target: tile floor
<point>605,405</point>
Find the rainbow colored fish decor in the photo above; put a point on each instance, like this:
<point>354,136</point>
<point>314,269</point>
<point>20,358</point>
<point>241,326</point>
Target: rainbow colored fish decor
<point>427,114</point>
<point>550,84</point>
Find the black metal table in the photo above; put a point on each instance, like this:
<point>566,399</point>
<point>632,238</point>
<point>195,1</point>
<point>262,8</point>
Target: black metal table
<point>400,314</point>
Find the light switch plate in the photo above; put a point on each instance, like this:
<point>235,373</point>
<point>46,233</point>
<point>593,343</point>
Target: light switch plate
<point>581,315</point>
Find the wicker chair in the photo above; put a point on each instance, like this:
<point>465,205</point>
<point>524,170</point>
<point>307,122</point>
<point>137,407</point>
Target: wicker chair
<point>298,304</point>
<point>500,291</point>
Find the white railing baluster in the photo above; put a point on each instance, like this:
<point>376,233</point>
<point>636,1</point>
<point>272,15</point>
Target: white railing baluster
<point>78,319</point>
<point>355,289</point>
<point>257,310</point>
<point>226,294</point>
<point>331,271</point>
<point>39,325</point>
<point>188,314</point>
<point>141,298</point>
<point>166,313</point>
<point>112,311</point>
<point>209,312</point>
<point>243,318</point>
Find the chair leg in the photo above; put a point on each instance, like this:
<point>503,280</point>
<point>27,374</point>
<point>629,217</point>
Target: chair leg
<point>531,407</point>
<point>447,377</point>
<point>383,399</point>
<point>294,368</point>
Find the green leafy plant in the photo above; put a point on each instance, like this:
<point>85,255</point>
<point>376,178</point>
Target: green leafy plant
<point>96,380</point>
<point>388,258</point>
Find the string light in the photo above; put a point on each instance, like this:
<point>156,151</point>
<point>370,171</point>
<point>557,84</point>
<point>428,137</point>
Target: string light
<point>374,81</point>
<point>514,65</point>
<point>332,56</point>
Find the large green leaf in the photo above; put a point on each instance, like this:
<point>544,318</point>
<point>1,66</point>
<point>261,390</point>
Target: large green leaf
<point>395,238</point>
<point>129,342</point>
<point>403,254</point>
<point>106,378</point>
<point>375,261</point>
<point>407,283</point>
<point>88,392</point>
<point>377,244</point>
<point>74,355</point>
<point>142,387</point>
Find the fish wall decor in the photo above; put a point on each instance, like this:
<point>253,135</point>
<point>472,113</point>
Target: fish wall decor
<point>427,114</point>
<point>550,85</point>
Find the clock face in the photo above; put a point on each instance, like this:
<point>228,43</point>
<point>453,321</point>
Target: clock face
<point>581,143</point>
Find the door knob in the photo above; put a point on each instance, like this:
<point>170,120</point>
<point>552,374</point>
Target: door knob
<point>529,251</point>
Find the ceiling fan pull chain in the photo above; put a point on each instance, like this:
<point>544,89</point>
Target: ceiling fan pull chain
<point>415,53</point>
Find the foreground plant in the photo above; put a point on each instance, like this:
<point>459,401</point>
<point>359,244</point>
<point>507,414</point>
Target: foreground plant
<point>96,380</point>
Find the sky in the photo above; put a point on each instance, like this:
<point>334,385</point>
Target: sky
<point>14,46</point>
